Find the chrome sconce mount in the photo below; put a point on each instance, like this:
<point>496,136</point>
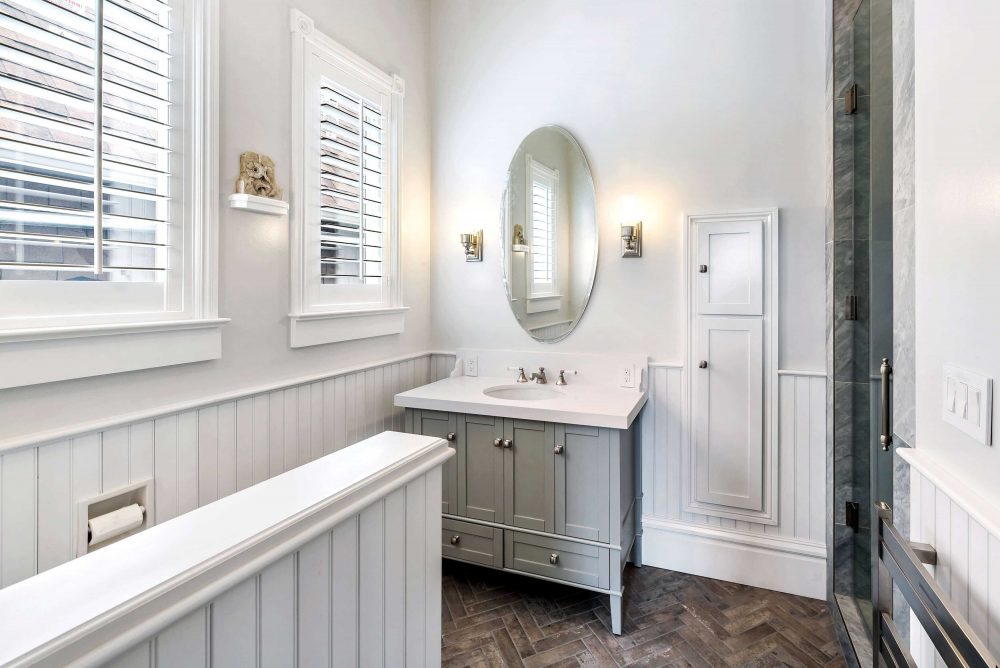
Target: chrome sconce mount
<point>473,245</point>
<point>632,240</point>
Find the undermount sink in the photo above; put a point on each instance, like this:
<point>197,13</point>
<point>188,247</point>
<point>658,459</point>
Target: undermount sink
<point>522,392</point>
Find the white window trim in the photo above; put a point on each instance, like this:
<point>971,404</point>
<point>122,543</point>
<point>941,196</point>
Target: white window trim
<point>311,325</point>
<point>63,349</point>
<point>553,287</point>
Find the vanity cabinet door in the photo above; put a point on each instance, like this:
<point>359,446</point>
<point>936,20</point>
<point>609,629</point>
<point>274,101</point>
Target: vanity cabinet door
<point>582,482</point>
<point>480,467</point>
<point>442,425</point>
<point>529,500</point>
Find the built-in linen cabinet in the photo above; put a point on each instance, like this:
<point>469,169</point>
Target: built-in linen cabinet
<point>549,500</point>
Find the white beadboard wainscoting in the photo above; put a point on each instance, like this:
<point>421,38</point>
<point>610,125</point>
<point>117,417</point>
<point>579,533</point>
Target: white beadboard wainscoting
<point>337,563</point>
<point>195,453</point>
<point>789,556</point>
<point>965,530</point>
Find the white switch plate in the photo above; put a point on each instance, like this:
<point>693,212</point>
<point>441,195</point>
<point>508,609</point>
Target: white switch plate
<point>968,403</point>
<point>470,366</point>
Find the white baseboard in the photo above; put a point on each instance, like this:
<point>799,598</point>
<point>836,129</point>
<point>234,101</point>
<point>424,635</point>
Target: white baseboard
<point>781,564</point>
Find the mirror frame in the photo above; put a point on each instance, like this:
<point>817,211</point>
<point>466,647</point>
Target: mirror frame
<point>504,245</point>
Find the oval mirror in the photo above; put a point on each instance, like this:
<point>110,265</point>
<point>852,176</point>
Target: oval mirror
<point>549,234</point>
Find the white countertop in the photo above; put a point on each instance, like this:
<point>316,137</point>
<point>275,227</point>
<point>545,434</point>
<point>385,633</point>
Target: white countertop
<point>44,610</point>
<point>586,404</point>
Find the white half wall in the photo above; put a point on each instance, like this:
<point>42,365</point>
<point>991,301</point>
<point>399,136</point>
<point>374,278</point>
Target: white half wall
<point>693,107</point>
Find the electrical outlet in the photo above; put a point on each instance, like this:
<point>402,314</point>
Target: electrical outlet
<point>628,376</point>
<point>470,366</point>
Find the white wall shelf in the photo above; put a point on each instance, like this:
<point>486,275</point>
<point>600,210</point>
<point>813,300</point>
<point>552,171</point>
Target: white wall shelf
<point>272,207</point>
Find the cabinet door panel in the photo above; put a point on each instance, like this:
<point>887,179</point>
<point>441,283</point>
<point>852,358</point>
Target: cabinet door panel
<point>733,256</point>
<point>529,497</point>
<point>728,413</point>
<point>582,483</point>
<point>480,468</point>
<point>434,423</point>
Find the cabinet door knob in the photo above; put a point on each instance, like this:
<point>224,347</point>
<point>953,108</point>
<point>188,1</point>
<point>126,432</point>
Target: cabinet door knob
<point>450,436</point>
<point>507,443</point>
<point>702,268</point>
<point>456,539</point>
<point>553,558</point>
<point>497,442</point>
<point>703,364</point>
<point>559,449</point>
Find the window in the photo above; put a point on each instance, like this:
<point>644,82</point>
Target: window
<point>543,186</point>
<point>106,176</point>
<point>346,126</point>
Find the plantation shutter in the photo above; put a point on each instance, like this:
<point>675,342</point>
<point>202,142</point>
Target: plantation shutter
<point>351,191</point>
<point>542,215</point>
<point>60,151</point>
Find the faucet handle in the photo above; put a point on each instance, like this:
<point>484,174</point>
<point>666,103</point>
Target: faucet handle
<point>562,375</point>
<point>521,378</point>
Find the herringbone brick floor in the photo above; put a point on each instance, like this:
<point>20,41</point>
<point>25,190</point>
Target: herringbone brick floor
<point>492,618</point>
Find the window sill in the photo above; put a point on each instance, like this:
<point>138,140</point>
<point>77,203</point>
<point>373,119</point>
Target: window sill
<point>313,329</point>
<point>34,356</point>
<point>544,303</point>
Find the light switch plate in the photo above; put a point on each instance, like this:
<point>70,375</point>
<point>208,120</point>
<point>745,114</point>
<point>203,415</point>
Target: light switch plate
<point>968,403</point>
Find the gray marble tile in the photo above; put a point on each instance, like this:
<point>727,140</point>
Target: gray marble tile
<point>903,102</point>
<point>843,15</point>
<point>843,174</point>
<point>862,149</point>
<point>904,401</point>
<point>901,518</point>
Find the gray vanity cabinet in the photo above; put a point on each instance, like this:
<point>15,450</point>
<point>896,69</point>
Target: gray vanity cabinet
<point>548,500</point>
<point>480,461</point>
<point>582,461</point>
<point>529,475</point>
<point>441,425</point>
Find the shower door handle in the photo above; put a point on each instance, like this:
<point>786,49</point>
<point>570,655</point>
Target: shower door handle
<point>886,438</point>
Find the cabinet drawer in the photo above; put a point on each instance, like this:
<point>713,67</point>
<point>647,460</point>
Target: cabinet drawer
<point>471,542</point>
<point>573,562</point>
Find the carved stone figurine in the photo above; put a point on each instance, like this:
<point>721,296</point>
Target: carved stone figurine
<point>257,176</point>
<point>518,235</point>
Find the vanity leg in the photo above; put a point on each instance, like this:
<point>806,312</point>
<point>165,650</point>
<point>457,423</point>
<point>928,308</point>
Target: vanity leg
<point>637,551</point>
<point>616,615</point>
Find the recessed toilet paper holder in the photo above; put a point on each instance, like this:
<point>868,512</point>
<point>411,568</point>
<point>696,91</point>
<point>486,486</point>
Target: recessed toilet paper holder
<point>139,493</point>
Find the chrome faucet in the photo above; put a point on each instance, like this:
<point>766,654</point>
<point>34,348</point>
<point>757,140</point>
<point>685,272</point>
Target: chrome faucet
<point>539,376</point>
<point>521,378</point>
<point>562,376</point>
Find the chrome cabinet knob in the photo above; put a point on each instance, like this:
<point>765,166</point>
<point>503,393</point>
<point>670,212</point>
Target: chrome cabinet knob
<point>456,539</point>
<point>507,443</point>
<point>553,558</point>
<point>703,364</point>
<point>497,442</point>
<point>702,268</point>
<point>450,436</point>
<point>559,449</point>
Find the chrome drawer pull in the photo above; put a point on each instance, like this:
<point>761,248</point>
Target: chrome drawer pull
<point>455,539</point>
<point>507,443</point>
<point>497,442</point>
<point>450,436</point>
<point>553,558</point>
<point>559,449</point>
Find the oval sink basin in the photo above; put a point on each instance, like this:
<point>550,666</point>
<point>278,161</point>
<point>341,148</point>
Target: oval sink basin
<point>522,392</point>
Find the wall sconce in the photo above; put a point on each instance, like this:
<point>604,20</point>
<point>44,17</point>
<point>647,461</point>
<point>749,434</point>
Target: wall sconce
<point>473,245</point>
<point>631,228</point>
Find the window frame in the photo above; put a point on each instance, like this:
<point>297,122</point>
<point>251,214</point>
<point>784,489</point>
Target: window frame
<point>542,290</point>
<point>61,347</point>
<point>314,317</point>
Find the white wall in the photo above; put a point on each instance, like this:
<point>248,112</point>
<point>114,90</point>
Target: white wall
<point>957,221</point>
<point>254,279</point>
<point>694,107</point>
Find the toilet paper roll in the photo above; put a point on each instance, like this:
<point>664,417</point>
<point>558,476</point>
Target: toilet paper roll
<point>115,523</point>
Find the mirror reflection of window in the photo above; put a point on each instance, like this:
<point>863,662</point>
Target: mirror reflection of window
<point>542,216</point>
